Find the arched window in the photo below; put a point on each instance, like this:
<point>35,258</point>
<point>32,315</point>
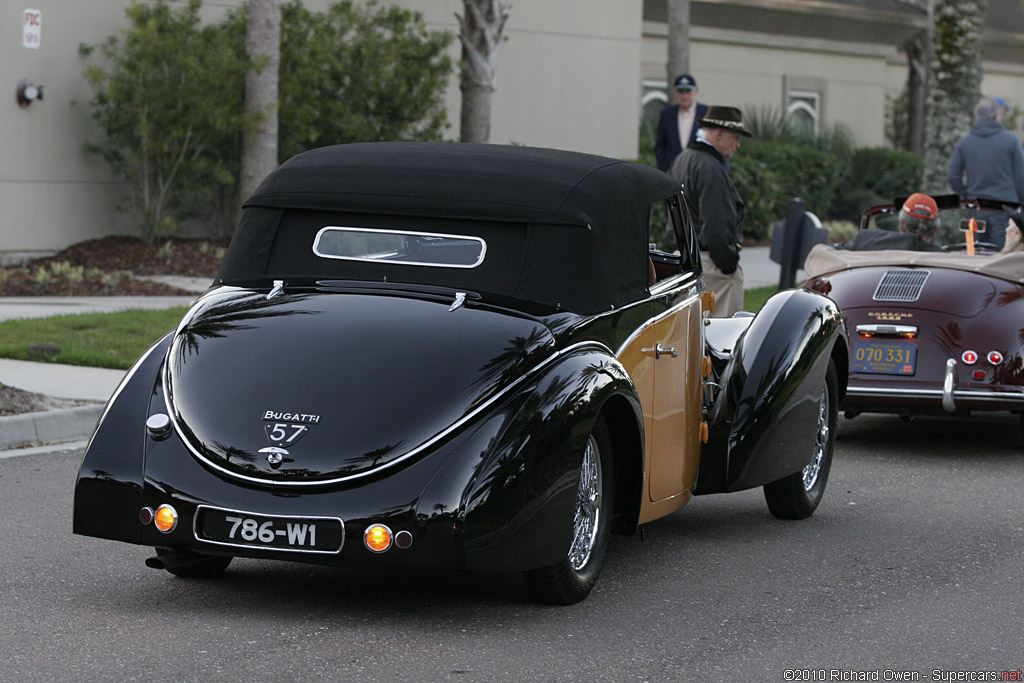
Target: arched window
<point>651,104</point>
<point>803,113</point>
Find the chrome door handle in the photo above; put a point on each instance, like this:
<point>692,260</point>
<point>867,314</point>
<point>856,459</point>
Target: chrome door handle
<point>658,349</point>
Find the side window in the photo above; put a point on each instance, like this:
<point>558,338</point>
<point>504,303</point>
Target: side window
<point>672,245</point>
<point>689,250</point>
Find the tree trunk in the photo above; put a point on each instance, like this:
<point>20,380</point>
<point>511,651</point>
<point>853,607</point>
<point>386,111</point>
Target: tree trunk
<point>955,84</point>
<point>263,46</point>
<point>678,38</point>
<point>481,33</point>
<point>917,91</point>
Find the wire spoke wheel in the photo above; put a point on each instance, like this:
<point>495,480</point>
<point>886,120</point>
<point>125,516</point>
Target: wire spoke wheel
<point>797,496</point>
<point>572,579</point>
<point>821,443</point>
<point>588,507</point>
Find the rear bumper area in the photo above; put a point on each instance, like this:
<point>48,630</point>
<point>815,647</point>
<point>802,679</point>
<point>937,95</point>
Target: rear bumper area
<point>940,400</point>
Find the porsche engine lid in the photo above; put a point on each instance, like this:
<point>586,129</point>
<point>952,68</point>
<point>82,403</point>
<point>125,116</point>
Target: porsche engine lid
<point>316,387</point>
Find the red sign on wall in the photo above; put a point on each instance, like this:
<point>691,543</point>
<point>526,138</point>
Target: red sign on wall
<point>32,24</point>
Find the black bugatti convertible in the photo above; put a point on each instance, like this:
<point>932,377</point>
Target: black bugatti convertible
<point>458,356</point>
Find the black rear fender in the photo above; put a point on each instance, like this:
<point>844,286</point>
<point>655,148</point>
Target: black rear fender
<point>769,391</point>
<point>108,493</point>
<point>518,506</point>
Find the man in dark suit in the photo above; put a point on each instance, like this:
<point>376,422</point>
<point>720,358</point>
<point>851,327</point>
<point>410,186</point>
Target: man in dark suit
<point>677,124</point>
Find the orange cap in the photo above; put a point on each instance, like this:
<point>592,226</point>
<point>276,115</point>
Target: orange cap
<point>921,205</point>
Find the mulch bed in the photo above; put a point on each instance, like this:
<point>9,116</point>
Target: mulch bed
<point>109,265</point>
<point>14,401</point>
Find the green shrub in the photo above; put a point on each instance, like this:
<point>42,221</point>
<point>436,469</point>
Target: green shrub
<point>360,73</point>
<point>879,175</point>
<point>887,172</point>
<point>168,97</point>
<point>768,174</point>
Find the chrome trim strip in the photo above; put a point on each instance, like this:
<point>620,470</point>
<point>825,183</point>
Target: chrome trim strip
<point>195,531</point>
<point>343,228</point>
<point>422,447</point>
<point>662,286</point>
<point>883,329</point>
<point>688,301</point>
<point>985,396</point>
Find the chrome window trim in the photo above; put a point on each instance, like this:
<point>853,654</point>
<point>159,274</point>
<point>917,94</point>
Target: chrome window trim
<point>440,436</point>
<point>405,233</point>
<point>195,531</point>
<point>663,286</point>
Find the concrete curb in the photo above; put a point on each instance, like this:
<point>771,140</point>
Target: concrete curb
<point>52,426</point>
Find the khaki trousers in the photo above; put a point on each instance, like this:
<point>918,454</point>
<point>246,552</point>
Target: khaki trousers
<point>728,289</point>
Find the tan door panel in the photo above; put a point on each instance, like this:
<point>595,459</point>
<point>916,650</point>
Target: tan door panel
<point>667,354</point>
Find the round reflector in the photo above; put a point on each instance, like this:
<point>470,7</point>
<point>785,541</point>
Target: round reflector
<point>165,519</point>
<point>377,538</point>
<point>995,358</point>
<point>403,539</point>
<point>969,357</point>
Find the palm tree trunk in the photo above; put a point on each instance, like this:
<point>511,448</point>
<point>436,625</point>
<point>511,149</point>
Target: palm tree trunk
<point>482,34</point>
<point>678,38</point>
<point>263,46</point>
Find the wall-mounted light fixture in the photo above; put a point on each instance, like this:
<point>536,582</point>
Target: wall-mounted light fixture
<point>28,93</point>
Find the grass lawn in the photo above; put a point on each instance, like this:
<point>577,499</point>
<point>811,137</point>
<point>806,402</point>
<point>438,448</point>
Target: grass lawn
<point>104,340</point>
<point>753,299</point>
<point>115,340</point>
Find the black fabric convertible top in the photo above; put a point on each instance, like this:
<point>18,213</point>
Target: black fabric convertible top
<point>562,228</point>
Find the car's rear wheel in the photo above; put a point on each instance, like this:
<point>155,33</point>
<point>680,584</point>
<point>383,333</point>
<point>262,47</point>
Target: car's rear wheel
<point>193,565</point>
<point>572,579</point>
<point>798,495</point>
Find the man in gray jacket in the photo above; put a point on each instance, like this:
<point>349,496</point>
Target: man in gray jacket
<point>993,160</point>
<point>715,204</point>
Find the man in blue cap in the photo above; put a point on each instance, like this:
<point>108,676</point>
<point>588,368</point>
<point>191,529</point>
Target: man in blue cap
<point>992,159</point>
<point>677,124</point>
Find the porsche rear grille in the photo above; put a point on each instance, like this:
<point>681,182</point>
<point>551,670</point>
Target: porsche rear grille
<point>902,284</point>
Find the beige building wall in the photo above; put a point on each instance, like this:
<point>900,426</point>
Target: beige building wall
<point>572,75</point>
<point>52,192</point>
<point>568,77</point>
<point>753,70</point>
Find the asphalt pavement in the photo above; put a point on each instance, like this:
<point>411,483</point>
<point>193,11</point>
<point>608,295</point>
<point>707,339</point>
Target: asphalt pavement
<point>72,426</point>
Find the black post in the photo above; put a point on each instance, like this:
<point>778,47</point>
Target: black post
<point>792,238</point>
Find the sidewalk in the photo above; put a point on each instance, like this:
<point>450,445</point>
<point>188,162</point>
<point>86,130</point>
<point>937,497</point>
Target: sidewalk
<point>69,426</point>
<point>75,425</point>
